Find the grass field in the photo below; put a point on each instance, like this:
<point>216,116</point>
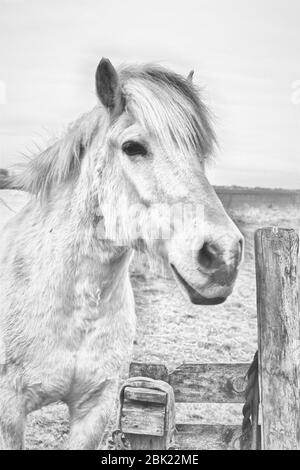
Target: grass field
<point>172,331</point>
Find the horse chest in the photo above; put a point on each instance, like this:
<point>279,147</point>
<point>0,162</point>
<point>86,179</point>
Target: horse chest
<point>103,333</point>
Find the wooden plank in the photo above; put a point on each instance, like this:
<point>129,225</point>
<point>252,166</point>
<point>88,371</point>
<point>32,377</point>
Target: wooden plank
<point>207,437</point>
<point>147,395</point>
<point>147,415</point>
<point>154,371</point>
<point>146,442</point>
<point>139,418</point>
<point>209,383</point>
<point>279,336</point>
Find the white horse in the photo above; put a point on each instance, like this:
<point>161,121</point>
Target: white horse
<point>115,182</point>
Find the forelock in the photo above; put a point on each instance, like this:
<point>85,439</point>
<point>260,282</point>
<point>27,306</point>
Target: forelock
<point>170,105</point>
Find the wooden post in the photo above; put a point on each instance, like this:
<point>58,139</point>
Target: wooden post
<point>278,337</point>
<point>147,414</point>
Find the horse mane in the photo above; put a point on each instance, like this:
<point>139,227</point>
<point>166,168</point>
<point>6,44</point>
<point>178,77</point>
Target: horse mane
<point>59,161</point>
<point>159,99</point>
<point>170,105</point>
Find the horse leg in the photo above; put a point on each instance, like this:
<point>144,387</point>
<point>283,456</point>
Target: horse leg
<point>90,414</point>
<point>12,418</point>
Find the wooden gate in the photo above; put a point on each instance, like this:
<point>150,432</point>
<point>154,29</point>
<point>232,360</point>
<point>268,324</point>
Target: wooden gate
<point>147,414</point>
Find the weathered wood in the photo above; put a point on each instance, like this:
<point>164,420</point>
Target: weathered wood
<point>209,383</point>
<point>146,442</point>
<point>200,383</point>
<point>207,437</point>
<point>256,427</point>
<point>141,418</point>
<point>154,371</point>
<point>279,337</point>
<point>147,413</point>
<point>147,395</point>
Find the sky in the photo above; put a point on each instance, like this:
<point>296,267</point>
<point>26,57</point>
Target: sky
<point>245,53</point>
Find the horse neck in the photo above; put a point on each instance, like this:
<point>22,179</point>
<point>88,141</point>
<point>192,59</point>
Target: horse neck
<point>94,264</point>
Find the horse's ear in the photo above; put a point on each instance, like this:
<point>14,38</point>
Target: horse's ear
<point>108,87</point>
<point>190,76</point>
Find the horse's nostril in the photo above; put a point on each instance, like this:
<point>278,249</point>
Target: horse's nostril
<point>207,256</point>
<point>212,257</point>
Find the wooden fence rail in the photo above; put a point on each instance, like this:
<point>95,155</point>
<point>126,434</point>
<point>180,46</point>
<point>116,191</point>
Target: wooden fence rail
<point>199,383</point>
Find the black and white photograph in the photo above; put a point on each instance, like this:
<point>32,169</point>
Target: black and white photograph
<point>149,227</point>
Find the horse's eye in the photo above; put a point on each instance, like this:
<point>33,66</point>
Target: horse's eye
<point>132,148</point>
